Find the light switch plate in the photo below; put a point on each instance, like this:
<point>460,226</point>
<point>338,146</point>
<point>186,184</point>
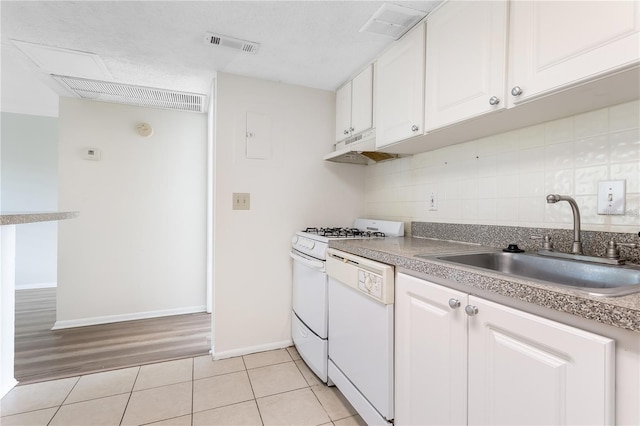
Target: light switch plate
<point>433,201</point>
<point>611,197</point>
<point>241,201</point>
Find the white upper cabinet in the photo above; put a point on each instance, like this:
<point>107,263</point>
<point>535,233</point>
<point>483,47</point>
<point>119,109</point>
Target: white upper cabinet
<point>466,61</point>
<point>343,112</point>
<point>354,105</point>
<point>362,101</point>
<point>400,89</point>
<point>557,44</point>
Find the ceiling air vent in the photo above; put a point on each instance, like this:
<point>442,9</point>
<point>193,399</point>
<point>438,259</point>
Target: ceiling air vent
<point>232,43</point>
<point>392,20</point>
<point>107,91</point>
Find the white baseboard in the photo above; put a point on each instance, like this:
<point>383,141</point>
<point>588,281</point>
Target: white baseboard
<point>32,286</point>
<point>6,385</point>
<point>251,349</point>
<point>126,317</point>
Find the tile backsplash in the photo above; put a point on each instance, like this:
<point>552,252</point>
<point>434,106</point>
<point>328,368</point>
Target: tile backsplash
<point>504,179</point>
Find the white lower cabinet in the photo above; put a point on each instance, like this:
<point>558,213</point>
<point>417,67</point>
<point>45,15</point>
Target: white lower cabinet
<point>461,359</point>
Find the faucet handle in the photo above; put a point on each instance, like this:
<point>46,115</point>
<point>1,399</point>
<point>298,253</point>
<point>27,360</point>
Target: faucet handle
<point>613,248</point>
<point>547,244</point>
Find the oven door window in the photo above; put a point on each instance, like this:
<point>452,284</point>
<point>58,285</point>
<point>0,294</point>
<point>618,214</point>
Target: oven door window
<point>310,295</point>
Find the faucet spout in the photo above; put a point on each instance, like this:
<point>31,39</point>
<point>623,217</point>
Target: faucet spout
<point>577,243</point>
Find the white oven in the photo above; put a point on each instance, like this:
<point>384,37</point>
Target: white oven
<point>309,303</point>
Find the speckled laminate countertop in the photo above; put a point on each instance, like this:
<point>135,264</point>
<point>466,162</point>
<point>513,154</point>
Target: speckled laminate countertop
<point>623,312</point>
<point>16,218</point>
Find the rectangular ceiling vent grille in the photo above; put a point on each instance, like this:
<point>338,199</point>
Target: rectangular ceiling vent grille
<point>392,20</point>
<point>232,43</point>
<point>127,94</point>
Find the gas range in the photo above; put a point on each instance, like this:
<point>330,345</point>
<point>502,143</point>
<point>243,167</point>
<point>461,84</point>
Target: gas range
<point>335,233</point>
<point>314,241</point>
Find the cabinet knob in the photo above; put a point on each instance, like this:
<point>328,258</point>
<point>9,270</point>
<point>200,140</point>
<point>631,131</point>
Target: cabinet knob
<point>454,303</point>
<point>494,100</point>
<point>471,310</point>
<point>351,129</point>
<point>414,128</point>
<point>516,91</point>
<point>346,132</point>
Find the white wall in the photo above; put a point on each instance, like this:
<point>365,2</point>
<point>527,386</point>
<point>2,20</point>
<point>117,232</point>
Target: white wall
<point>30,183</point>
<point>504,179</point>
<point>292,189</point>
<point>138,246</point>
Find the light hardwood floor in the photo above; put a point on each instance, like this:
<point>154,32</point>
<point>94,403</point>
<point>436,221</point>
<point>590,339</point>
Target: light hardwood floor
<point>42,354</point>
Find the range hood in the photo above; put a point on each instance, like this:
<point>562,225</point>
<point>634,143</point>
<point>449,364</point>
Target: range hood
<point>359,149</point>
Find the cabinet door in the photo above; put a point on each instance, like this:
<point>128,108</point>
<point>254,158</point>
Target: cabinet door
<point>524,369</point>
<point>555,44</point>
<point>362,101</point>
<point>431,368</point>
<point>343,112</point>
<point>400,89</point>
<point>466,61</point>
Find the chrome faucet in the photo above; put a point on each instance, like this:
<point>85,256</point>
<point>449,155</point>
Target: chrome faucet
<point>577,244</point>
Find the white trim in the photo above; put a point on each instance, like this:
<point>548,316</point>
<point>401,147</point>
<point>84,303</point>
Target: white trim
<point>252,349</point>
<point>7,386</point>
<point>127,317</point>
<point>31,286</point>
<point>211,129</point>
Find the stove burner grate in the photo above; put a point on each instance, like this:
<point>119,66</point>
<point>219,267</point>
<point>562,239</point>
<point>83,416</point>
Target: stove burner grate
<point>344,232</point>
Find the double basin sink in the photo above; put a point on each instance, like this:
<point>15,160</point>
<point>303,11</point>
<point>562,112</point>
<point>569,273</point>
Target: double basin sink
<point>592,278</point>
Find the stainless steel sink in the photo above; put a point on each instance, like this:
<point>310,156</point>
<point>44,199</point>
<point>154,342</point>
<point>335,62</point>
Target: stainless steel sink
<point>593,278</point>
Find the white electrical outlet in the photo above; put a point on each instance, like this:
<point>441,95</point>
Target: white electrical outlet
<point>433,201</point>
<point>611,197</point>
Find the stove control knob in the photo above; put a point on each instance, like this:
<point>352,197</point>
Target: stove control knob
<point>294,239</point>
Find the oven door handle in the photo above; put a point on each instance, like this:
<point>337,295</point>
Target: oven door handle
<point>315,264</point>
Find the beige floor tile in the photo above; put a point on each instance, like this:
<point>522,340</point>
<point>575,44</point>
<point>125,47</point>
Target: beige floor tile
<point>245,413</point>
<point>205,366</point>
<point>299,407</point>
<point>334,403</point>
<point>164,373</point>
<point>36,396</point>
<point>350,421</point>
<point>293,352</point>
<point>103,411</point>
<point>262,359</point>
<point>32,418</point>
<point>218,391</point>
<point>176,421</point>
<point>152,405</point>
<point>103,384</point>
<point>276,379</point>
<point>308,375</point>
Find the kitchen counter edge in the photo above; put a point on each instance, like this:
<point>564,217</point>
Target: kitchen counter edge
<point>18,218</point>
<point>623,312</point>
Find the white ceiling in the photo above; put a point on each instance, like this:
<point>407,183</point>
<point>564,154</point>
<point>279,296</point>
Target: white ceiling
<point>161,43</point>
